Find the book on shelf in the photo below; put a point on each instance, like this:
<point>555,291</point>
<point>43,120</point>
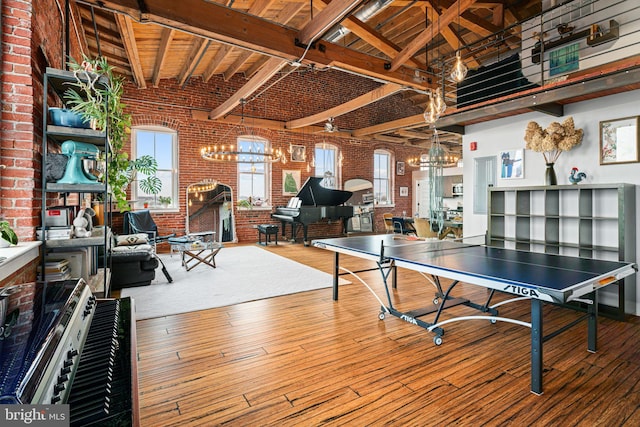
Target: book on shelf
<point>51,233</point>
<point>56,269</point>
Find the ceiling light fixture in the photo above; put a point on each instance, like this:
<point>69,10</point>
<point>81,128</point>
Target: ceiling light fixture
<point>459,71</point>
<point>436,105</point>
<point>252,150</point>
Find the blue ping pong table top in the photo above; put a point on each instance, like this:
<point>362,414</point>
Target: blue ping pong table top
<point>548,273</point>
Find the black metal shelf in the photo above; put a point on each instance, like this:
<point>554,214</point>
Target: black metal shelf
<point>58,82</point>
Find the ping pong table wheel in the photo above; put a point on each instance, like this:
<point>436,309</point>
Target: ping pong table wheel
<point>381,316</point>
<point>437,340</point>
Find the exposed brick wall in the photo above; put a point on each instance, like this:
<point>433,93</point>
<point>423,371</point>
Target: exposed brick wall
<point>25,274</point>
<point>171,105</point>
<point>32,39</point>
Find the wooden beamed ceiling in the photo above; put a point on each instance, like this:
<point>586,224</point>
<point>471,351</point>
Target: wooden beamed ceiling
<point>152,40</point>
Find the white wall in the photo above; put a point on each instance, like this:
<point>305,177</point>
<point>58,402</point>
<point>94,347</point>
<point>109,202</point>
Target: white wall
<point>508,133</point>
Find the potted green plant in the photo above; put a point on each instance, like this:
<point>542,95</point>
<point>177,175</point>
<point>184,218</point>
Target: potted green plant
<point>97,96</point>
<point>164,200</point>
<point>7,235</point>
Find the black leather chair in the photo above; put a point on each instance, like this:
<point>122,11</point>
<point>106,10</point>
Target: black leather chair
<point>142,222</point>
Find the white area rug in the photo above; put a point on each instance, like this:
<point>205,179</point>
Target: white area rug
<point>243,273</point>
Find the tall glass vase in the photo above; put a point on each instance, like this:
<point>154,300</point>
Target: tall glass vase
<point>550,175</point>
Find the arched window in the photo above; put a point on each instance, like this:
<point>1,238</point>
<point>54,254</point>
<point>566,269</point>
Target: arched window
<point>254,179</point>
<point>327,158</point>
<point>382,177</point>
<point>161,143</point>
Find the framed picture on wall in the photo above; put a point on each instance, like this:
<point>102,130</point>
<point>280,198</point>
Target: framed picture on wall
<point>290,182</point>
<point>511,163</point>
<point>564,59</point>
<point>400,168</point>
<point>298,153</point>
<point>619,141</point>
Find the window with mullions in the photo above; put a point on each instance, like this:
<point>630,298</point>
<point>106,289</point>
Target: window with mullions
<point>382,177</point>
<point>161,144</point>
<point>327,165</point>
<point>254,178</point>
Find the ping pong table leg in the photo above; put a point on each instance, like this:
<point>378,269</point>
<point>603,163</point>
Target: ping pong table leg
<point>592,324</point>
<point>336,274</point>
<point>536,346</point>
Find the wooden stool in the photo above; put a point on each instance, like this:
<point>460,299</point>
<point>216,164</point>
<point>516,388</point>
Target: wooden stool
<point>268,230</point>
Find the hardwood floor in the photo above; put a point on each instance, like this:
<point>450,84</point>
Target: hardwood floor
<point>306,360</point>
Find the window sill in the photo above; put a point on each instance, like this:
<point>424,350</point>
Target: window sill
<point>17,257</point>
<point>254,208</point>
<point>164,210</point>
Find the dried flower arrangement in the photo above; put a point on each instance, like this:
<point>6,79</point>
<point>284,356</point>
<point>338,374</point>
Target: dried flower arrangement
<point>551,142</point>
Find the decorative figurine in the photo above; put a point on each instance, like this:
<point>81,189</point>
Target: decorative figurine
<point>576,176</point>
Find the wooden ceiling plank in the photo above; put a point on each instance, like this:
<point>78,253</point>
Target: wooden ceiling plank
<point>390,139</point>
<point>418,43</point>
<point>215,62</point>
<point>237,64</point>
<point>216,22</point>
<point>354,104</point>
<point>200,45</point>
<point>257,64</point>
<point>131,49</point>
<point>258,8</point>
<point>369,35</point>
<point>165,42</point>
<point>272,66</point>
<point>454,40</point>
<point>389,126</point>
<point>333,14</point>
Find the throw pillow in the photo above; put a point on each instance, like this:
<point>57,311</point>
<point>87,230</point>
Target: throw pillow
<point>132,239</point>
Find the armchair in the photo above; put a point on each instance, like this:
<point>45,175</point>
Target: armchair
<point>142,222</point>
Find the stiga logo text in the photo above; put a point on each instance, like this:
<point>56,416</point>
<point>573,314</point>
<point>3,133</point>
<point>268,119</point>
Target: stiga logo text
<point>34,415</point>
<point>521,291</point>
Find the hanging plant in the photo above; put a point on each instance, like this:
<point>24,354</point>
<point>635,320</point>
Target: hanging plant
<point>96,95</point>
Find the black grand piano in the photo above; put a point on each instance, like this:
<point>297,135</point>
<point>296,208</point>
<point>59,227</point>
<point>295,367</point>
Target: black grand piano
<point>312,204</point>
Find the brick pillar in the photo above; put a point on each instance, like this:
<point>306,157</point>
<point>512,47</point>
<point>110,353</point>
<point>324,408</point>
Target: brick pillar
<point>19,151</point>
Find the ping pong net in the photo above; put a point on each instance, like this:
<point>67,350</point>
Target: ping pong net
<point>407,247</point>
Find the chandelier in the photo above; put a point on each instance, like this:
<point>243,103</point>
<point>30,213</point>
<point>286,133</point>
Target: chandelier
<point>252,153</point>
<point>437,157</point>
<point>249,151</point>
<point>202,186</point>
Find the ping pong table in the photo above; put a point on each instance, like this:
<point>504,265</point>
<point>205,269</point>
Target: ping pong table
<point>539,277</point>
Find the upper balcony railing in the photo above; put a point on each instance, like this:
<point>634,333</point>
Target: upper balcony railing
<point>564,45</point>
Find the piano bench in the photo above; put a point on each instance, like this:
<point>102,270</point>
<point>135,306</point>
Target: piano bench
<point>268,230</point>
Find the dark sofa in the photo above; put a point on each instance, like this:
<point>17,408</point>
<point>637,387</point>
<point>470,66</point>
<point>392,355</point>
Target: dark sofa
<point>132,268</point>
